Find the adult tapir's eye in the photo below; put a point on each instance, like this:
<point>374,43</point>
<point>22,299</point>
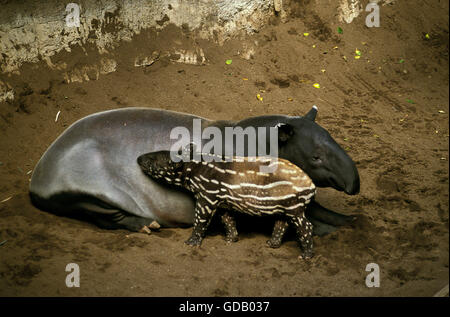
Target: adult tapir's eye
<point>316,159</point>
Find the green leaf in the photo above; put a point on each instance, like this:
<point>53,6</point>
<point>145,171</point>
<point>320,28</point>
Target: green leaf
<point>410,101</point>
<point>228,61</point>
<point>340,30</point>
<point>401,61</point>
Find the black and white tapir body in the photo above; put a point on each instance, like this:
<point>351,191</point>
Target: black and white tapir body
<point>238,184</point>
<point>91,168</point>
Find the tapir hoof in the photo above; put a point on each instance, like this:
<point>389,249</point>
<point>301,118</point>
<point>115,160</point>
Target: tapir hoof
<point>274,244</point>
<point>146,230</point>
<point>154,225</point>
<point>349,220</point>
<point>231,238</point>
<point>194,241</point>
<point>306,256</point>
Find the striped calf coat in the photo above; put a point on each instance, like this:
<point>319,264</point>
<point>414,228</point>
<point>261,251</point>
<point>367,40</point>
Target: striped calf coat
<point>237,183</point>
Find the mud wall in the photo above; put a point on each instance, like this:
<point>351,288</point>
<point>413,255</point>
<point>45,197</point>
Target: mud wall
<point>33,31</point>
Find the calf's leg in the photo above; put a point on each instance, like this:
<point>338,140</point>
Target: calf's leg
<point>304,230</point>
<point>203,215</point>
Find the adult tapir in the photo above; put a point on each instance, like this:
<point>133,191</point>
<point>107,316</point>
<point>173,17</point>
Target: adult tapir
<point>91,168</point>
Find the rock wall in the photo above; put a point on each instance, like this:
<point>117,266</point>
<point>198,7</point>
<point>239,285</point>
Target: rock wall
<point>34,30</point>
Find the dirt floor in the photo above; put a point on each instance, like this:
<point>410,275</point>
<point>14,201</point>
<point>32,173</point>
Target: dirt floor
<point>388,109</point>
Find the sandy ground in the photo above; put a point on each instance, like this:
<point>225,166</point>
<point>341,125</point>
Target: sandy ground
<point>383,108</point>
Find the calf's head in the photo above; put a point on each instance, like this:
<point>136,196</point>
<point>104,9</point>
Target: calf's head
<point>160,165</point>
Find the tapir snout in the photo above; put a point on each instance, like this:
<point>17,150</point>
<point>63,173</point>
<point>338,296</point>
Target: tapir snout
<point>345,176</point>
<point>352,183</point>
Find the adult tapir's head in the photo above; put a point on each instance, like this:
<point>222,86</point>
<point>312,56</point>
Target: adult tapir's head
<point>306,144</point>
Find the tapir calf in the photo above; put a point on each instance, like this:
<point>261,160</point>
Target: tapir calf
<point>240,185</point>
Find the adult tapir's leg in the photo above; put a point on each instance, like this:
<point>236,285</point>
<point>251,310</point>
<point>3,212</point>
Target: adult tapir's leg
<point>121,220</point>
<point>320,228</point>
<point>103,215</point>
<point>315,211</point>
<point>280,227</point>
<point>325,221</point>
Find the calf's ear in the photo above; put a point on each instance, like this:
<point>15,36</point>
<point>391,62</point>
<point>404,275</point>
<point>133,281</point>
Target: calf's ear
<point>285,132</point>
<point>311,115</point>
<point>188,150</point>
<point>143,161</point>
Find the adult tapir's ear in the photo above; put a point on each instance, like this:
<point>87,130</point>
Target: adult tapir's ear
<point>311,115</point>
<point>285,131</point>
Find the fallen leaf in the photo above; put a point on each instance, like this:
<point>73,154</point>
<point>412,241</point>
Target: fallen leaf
<point>305,34</point>
<point>258,96</point>
<point>228,61</point>
<point>316,85</point>
<point>340,30</point>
